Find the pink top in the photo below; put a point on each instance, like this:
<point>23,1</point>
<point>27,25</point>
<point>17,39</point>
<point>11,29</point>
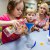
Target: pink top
<point>42,22</point>
<point>6,39</point>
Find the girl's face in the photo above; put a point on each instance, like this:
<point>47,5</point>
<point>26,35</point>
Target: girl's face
<point>30,17</point>
<point>17,12</point>
<point>42,9</point>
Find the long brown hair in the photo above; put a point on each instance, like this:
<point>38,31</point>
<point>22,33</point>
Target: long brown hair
<point>12,4</point>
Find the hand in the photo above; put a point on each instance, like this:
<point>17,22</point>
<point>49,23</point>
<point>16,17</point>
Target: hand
<point>36,23</point>
<point>45,28</point>
<point>15,23</point>
<point>23,30</point>
<point>36,28</point>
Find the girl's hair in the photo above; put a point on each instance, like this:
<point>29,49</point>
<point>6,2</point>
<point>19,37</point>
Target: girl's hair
<point>29,10</point>
<point>12,4</point>
<point>46,7</point>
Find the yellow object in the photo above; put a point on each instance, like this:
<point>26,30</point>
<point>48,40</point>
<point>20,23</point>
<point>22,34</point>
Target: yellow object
<point>0,35</point>
<point>0,28</point>
<point>41,43</point>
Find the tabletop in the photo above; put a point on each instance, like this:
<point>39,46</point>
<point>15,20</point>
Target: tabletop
<point>20,44</point>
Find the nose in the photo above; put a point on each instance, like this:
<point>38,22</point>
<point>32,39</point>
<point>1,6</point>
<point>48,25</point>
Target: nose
<point>42,9</point>
<point>20,12</point>
<point>31,16</point>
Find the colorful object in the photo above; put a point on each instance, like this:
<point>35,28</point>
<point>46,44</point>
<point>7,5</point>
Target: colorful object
<point>29,25</point>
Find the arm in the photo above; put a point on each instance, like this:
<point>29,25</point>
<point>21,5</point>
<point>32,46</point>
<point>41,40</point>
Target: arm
<point>3,23</point>
<point>12,22</point>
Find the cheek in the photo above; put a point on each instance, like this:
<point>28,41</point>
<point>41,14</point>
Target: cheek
<point>27,16</point>
<point>15,11</point>
<point>44,11</point>
<point>39,10</point>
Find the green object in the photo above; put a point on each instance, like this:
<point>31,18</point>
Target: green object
<point>0,42</point>
<point>0,28</point>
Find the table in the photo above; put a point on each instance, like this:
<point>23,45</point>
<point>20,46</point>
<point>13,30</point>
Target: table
<point>20,43</point>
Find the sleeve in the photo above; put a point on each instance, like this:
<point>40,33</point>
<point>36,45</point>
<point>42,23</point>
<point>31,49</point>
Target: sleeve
<point>1,17</point>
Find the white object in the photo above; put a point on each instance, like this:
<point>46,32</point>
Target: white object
<point>48,39</point>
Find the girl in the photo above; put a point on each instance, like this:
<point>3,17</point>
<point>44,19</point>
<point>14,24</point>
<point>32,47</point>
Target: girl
<point>42,17</point>
<point>14,13</point>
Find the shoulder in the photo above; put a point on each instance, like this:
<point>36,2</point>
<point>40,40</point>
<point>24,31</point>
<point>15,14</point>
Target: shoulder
<point>4,17</point>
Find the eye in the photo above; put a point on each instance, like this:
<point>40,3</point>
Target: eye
<point>44,8</point>
<point>18,9</point>
<point>32,15</point>
<point>41,7</point>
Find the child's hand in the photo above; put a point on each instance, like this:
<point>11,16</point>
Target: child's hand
<point>23,30</point>
<point>32,29</point>
<point>36,28</point>
<point>15,23</point>
<point>36,23</point>
<point>45,28</point>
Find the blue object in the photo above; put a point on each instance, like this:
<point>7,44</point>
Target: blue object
<point>29,25</point>
<point>33,45</point>
<point>49,32</point>
<point>49,27</point>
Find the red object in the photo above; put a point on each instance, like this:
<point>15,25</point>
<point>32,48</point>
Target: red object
<point>14,36</point>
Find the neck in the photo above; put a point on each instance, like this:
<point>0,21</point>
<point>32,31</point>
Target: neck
<point>11,17</point>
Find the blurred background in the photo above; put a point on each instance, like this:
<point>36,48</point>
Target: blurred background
<point>29,3</point>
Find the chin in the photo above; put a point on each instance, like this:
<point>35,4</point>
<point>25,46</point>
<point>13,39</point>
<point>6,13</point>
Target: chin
<point>17,16</point>
<point>30,21</point>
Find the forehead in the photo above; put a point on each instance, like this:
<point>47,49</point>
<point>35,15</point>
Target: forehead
<point>30,13</point>
<point>20,5</point>
<point>43,6</point>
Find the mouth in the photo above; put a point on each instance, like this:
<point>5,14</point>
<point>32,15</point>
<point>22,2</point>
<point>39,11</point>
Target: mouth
<point>30,19</point>
<point>18,15</point>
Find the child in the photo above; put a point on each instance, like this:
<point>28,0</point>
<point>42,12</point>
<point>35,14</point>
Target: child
<point>13,15</point>
<point>42,17</point>
<point>31,18</point>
